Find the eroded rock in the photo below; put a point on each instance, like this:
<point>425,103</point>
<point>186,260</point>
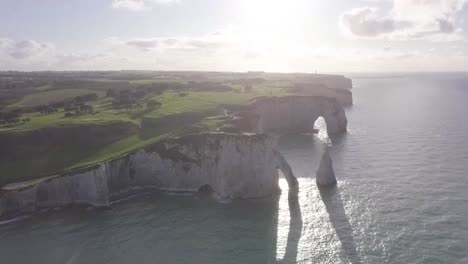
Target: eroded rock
<point>289,114</point>
<point>325,173</point>
<point>298,113</point>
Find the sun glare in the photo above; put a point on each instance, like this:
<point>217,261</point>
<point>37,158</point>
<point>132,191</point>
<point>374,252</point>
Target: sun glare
<point>271,21</point>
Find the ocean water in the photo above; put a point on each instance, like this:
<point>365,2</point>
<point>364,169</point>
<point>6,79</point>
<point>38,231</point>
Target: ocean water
<point>402,197</point>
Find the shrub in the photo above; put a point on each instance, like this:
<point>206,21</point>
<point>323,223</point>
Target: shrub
<point>152,104</point>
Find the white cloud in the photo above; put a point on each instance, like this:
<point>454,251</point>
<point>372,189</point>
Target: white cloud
<point>24,49</point>
<point>35,55</point>
<point>139,5</point>
<point>135,5</point>
<point>228,51</point>
<point>436,20</point>
<point>210,42</point>
<point>143,44</point>
<point>369,22</point>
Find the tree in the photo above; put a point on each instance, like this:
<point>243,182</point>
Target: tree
<point>152,104</point>
<point>86,109</point>
<point>70,108</point>
<point>110,93</point>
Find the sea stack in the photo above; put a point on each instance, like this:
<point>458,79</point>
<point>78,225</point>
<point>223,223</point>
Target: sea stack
<point>325,174</point>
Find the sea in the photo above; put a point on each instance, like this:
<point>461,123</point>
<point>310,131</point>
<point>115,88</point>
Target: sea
<point>401,197</point>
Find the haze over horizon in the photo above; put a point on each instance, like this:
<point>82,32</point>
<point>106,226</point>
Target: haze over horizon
<point>228,35</point>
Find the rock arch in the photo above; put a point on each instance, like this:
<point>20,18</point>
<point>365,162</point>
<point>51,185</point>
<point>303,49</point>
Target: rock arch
<point>297,114</point>
<point>283,165</point>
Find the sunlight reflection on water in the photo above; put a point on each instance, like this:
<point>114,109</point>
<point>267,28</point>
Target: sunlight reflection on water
<point>320,227</point>
<point>305,232</point>
<point>322,134</point>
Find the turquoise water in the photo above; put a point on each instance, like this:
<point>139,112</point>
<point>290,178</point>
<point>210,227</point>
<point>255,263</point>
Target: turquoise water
<point>401,198</point>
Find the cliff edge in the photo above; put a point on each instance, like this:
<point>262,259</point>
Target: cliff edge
<point>233,166</point>
<point>288,114</point>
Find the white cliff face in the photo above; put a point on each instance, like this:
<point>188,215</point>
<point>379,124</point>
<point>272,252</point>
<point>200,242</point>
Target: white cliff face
<point>339,82</point>
<point>84,188</point>
<point>343,96</point>
<point>288,174</point>
<point>234,166</point>
<point>298,113</point>
<point>325,174</point>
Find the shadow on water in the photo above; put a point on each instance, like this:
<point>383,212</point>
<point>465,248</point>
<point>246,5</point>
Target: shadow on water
<point>332,199</point>
<point>337,141</point>
<point>293,142</point>
<point>294,234</point>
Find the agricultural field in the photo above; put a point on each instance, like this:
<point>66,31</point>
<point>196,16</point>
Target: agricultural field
<point>47,95</point>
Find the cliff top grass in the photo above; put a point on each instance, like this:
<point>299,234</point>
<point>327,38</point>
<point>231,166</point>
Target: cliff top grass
<point>171,103</point>
<point>46,94</point>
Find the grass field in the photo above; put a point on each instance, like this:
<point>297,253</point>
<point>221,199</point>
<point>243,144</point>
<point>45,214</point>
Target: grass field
<point>43,87</point>
<point>150,81</point>
<point>69,156</point>
<point>48,96</point>
<point>104,114</point>
<point>172,103</point>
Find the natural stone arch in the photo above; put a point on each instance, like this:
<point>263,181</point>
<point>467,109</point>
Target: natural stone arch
<point>297,114</point>
<point>283,166</point>
<point>320,126</point>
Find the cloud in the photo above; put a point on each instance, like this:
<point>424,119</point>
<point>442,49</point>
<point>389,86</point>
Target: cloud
<point>139,5</point>
<point>170,41</point>
<point>388,53</point>
<point>35,55</point>
<point>67,59</point>
<point>436,20</point>
<point>445,26</point>
<point>135,5</point>
<point>143,44</point>
<point>210,42</point>
<point>367,22</point>
<point>24,49</point>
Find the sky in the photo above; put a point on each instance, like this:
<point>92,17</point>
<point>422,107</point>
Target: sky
<point>235,35</point>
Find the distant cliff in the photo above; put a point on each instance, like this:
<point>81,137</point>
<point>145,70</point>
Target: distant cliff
<point>337,87</point>
<point>288,114</point>
<point>232,166</point>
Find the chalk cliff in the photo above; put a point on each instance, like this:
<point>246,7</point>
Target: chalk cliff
<point>288,114</point>
<point>331,81</point>
<point>344,96</point>
<point>325,174</point>
<point>233,166</point>
<point>298,113</point>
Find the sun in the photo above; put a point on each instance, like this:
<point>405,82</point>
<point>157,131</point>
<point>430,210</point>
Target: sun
<point>271,21</point>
